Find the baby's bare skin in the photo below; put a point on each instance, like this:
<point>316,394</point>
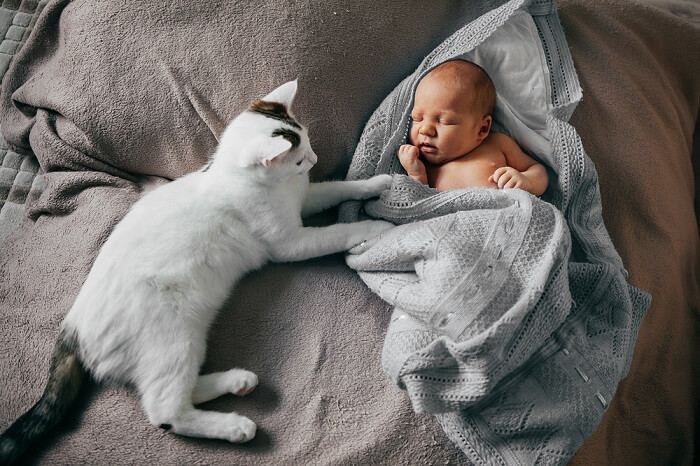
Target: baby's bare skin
<point>485,166</point>
<point>451,145</point>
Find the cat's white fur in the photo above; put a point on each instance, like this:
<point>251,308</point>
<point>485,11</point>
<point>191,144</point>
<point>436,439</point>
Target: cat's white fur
<point>143,314</point>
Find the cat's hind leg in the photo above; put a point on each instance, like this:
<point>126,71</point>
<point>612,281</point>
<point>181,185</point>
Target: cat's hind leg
<point>167,387</point>
<point>171,408</point>
<point>236,381</point>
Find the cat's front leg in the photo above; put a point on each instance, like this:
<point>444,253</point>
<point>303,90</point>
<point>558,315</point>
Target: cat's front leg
<point>307,242</point>
<point>321,196</point>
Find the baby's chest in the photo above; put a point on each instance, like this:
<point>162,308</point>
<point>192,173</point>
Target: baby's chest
<point>471,171</point>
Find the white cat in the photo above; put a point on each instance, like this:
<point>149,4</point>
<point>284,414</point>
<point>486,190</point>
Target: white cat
<point>144,310</point>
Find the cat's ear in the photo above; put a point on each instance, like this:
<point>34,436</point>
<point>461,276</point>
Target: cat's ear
<point>283,94</point>
<point>266,150</point>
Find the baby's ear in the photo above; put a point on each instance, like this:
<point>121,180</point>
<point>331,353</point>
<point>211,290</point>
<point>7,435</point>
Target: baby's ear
<point>265,150</point>
<point>486,123</point>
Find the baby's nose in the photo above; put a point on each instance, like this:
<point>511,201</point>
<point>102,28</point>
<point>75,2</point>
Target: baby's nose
<point>427,129</point>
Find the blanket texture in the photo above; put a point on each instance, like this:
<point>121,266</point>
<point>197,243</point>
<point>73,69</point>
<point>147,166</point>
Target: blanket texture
<point>513,342</point>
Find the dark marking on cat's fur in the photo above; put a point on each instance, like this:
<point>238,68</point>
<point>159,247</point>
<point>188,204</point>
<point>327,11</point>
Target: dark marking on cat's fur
<point>289,135</point>
<point>66,376</point>
<point>166,426</point>
<point>274,110</point>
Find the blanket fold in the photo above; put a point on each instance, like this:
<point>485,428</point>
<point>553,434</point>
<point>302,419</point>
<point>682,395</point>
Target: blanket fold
<point>513,319</point>
<point>478,252</point>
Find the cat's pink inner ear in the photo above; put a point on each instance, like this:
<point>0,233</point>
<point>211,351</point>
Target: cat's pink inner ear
<point>270,149</point>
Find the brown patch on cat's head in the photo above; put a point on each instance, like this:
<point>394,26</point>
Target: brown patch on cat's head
<point>274,110</point>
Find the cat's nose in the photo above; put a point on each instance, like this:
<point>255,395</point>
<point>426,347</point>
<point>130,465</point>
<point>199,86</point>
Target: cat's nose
<point>313,158</point>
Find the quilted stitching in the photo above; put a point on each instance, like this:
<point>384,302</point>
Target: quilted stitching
<point>18,172</point>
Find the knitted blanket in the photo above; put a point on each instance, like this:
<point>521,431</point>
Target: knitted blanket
<point>513,319</point>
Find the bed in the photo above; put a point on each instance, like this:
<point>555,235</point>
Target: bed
<point>80,147</point>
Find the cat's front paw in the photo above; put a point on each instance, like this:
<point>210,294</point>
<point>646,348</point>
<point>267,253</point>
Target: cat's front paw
<point>376,185</point>
<point>377,227</point>
<point>369,234</point>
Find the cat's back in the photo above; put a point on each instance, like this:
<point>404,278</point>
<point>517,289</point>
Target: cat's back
<point>189,212</point>
<point>178,233</point>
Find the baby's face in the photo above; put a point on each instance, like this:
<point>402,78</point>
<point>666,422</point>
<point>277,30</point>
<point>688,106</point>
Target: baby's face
<point>444,126</point>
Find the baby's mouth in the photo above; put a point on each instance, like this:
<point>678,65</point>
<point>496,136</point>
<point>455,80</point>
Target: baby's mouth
<point>427,148</point>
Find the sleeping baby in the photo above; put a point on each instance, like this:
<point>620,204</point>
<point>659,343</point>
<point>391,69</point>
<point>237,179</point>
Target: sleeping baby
<point>452,146</point>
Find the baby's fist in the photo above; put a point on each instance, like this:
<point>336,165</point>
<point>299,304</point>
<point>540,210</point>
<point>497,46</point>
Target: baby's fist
<point>408,154</point>
<point>410,161</point>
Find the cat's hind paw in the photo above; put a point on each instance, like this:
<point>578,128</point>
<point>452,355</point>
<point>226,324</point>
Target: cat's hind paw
<point>241,429</point>
<point>242,381</point>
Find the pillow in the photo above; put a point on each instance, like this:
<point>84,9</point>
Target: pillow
<point>514,59</point>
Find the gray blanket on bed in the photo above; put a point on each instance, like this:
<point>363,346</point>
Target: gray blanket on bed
<point>515,343</point>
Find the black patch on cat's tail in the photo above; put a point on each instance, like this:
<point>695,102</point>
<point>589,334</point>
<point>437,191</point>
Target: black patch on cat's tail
<point>66,376</point>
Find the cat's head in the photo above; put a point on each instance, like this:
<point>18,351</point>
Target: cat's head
<point>266,137</point>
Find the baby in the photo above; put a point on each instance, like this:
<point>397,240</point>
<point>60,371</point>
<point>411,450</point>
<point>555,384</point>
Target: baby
<point>452,145</point>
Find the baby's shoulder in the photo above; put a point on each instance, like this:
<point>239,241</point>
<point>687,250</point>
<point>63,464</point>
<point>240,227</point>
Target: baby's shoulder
<point>500,138</point>
<point>505,143</point>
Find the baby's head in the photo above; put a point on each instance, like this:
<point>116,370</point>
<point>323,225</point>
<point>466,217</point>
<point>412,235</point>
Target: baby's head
<point>452,111</point>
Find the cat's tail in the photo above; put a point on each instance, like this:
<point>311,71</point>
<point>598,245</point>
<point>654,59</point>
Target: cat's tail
<point>66,376</point>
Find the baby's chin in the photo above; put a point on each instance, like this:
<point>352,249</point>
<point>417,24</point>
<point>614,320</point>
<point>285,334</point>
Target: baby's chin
<point>437,157</point>
<point>431,154</point>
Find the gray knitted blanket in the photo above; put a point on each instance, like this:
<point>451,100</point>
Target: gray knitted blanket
<point>513,319</point>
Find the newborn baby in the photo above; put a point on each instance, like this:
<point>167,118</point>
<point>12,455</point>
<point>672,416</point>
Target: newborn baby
<point>452,145</point>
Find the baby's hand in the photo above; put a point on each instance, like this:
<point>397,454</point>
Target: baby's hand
<point>508,177</point>
<point>410,161</point>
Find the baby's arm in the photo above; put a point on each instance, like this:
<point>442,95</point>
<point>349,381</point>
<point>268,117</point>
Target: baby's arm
<point>522,171</point>
<point>410,161</point>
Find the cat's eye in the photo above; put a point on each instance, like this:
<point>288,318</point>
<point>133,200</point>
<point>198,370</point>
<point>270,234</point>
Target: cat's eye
<point>299,162</point>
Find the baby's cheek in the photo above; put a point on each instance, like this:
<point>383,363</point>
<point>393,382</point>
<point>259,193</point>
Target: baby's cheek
<point>412,134</point>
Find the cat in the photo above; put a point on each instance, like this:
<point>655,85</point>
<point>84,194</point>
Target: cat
<point>143,313</point>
